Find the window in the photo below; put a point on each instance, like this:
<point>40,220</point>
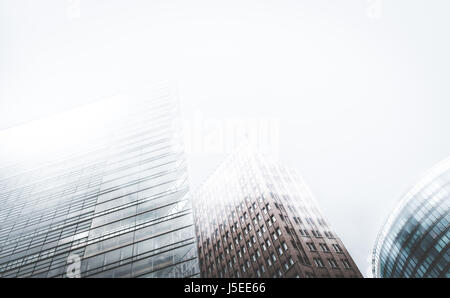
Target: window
<point>285,247</point>
<point>274,236</point>
<point>311,246</point>
<point>337,248</point>
<point>332,263</point>
<point>304,233</point>
<point>264,246</point>
<point>316,233</point>
<point>319,262</point>
<point>346,264</point>
<point>263,228</point>
<point>280,251</point>
<point>324,247</point>
<point>291,261</point>
<point>274,258</point>
<point>278,231</point>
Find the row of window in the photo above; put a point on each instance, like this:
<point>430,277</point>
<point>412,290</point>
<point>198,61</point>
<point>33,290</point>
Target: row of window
<point>324,247</point>
<point>332,262</point>
<point>316,233</point>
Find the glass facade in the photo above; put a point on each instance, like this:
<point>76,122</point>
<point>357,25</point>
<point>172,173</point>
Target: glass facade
<point>255,218</point>
<point>118,201</point>
<point>414,241</point>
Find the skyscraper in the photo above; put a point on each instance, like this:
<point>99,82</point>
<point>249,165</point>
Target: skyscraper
<point>415,240</point>
<point>255,218</point>
<point>111,200</point>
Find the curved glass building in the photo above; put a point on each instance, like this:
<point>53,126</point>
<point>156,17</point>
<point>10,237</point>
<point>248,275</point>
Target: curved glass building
<point>414,241</point>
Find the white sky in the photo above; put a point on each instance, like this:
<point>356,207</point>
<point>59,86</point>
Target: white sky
<point>362,95</point>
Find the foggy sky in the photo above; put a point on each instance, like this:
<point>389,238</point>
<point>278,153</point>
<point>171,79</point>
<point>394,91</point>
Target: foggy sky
<point>361,93</point>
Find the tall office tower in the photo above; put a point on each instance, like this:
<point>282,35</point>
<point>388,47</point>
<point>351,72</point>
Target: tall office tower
<point>255,218</point>
<point>415,240</point>
<point>104,193</point>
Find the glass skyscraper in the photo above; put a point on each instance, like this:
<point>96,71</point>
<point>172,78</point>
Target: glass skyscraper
<point>414,242</point>
<point>112,202</point>
<point>255,218</point>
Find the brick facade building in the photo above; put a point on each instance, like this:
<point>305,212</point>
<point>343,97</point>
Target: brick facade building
<point>255,218</point>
